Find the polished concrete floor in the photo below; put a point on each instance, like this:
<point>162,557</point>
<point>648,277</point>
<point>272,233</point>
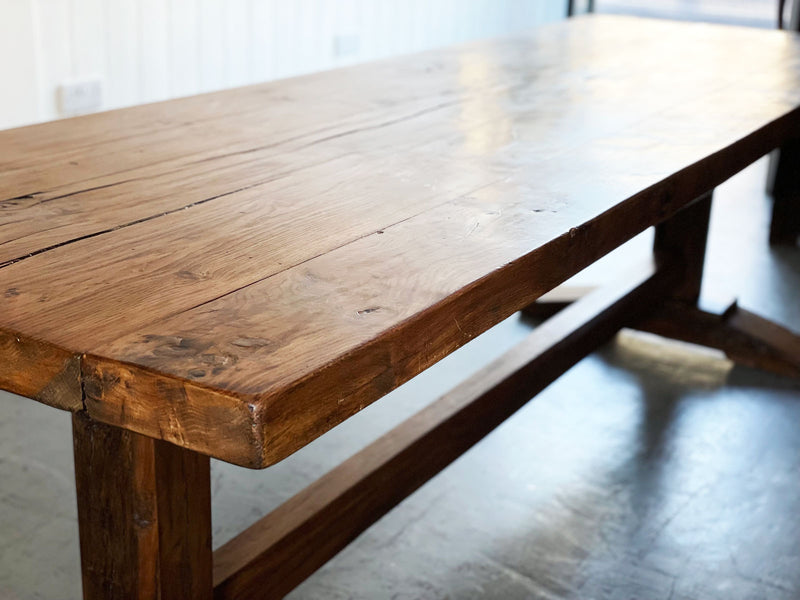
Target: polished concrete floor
<point>650,470</point>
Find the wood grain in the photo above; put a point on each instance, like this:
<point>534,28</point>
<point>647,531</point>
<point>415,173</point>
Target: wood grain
<point>281,550</point>
<point>40,371</point>
<point>239,272</point>
<point>144,512</point>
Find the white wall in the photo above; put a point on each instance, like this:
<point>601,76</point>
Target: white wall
<point>146,50</point>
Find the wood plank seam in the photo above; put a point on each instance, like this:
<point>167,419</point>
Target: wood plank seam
<point>199,202</point>
<point>141,220</point>
<point>267,181</point>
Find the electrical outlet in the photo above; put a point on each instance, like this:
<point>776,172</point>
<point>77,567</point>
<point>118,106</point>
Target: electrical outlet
<point>346,45</point>
<point>79,97</point>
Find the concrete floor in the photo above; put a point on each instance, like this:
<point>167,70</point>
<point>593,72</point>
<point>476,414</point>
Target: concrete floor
<point>650,470</point>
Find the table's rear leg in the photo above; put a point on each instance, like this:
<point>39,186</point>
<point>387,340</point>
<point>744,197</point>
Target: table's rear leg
<point>144,513</point>
<point>682,239</point>
<point>785,188</point>
<point>745,338</point>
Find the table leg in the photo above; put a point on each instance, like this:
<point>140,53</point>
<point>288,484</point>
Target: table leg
<point>682,239</point>
<point>785,188</point>
<point>144,514</point>
<point>745,337</point>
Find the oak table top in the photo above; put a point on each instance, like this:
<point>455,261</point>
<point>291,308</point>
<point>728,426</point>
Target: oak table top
<point>238,272</point>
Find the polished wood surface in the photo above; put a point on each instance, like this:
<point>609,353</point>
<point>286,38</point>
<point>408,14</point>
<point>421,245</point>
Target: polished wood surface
<point>144,512</point>
<point>239,272</point>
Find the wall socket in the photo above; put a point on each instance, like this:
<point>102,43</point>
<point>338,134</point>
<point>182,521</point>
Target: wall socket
<point>346,45</point>
<point>80,97</point>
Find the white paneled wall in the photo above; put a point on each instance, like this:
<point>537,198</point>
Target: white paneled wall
<point>146,50</point>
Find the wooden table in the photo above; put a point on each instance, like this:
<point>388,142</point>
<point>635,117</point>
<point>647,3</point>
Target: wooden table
<point>233,274</point>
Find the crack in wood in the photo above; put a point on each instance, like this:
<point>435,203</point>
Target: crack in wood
<point>326,251</point>
<point>128,224</point>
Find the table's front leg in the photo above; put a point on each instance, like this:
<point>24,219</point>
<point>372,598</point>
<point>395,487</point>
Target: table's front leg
<point>785,188</point>
<point>144,513</point>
